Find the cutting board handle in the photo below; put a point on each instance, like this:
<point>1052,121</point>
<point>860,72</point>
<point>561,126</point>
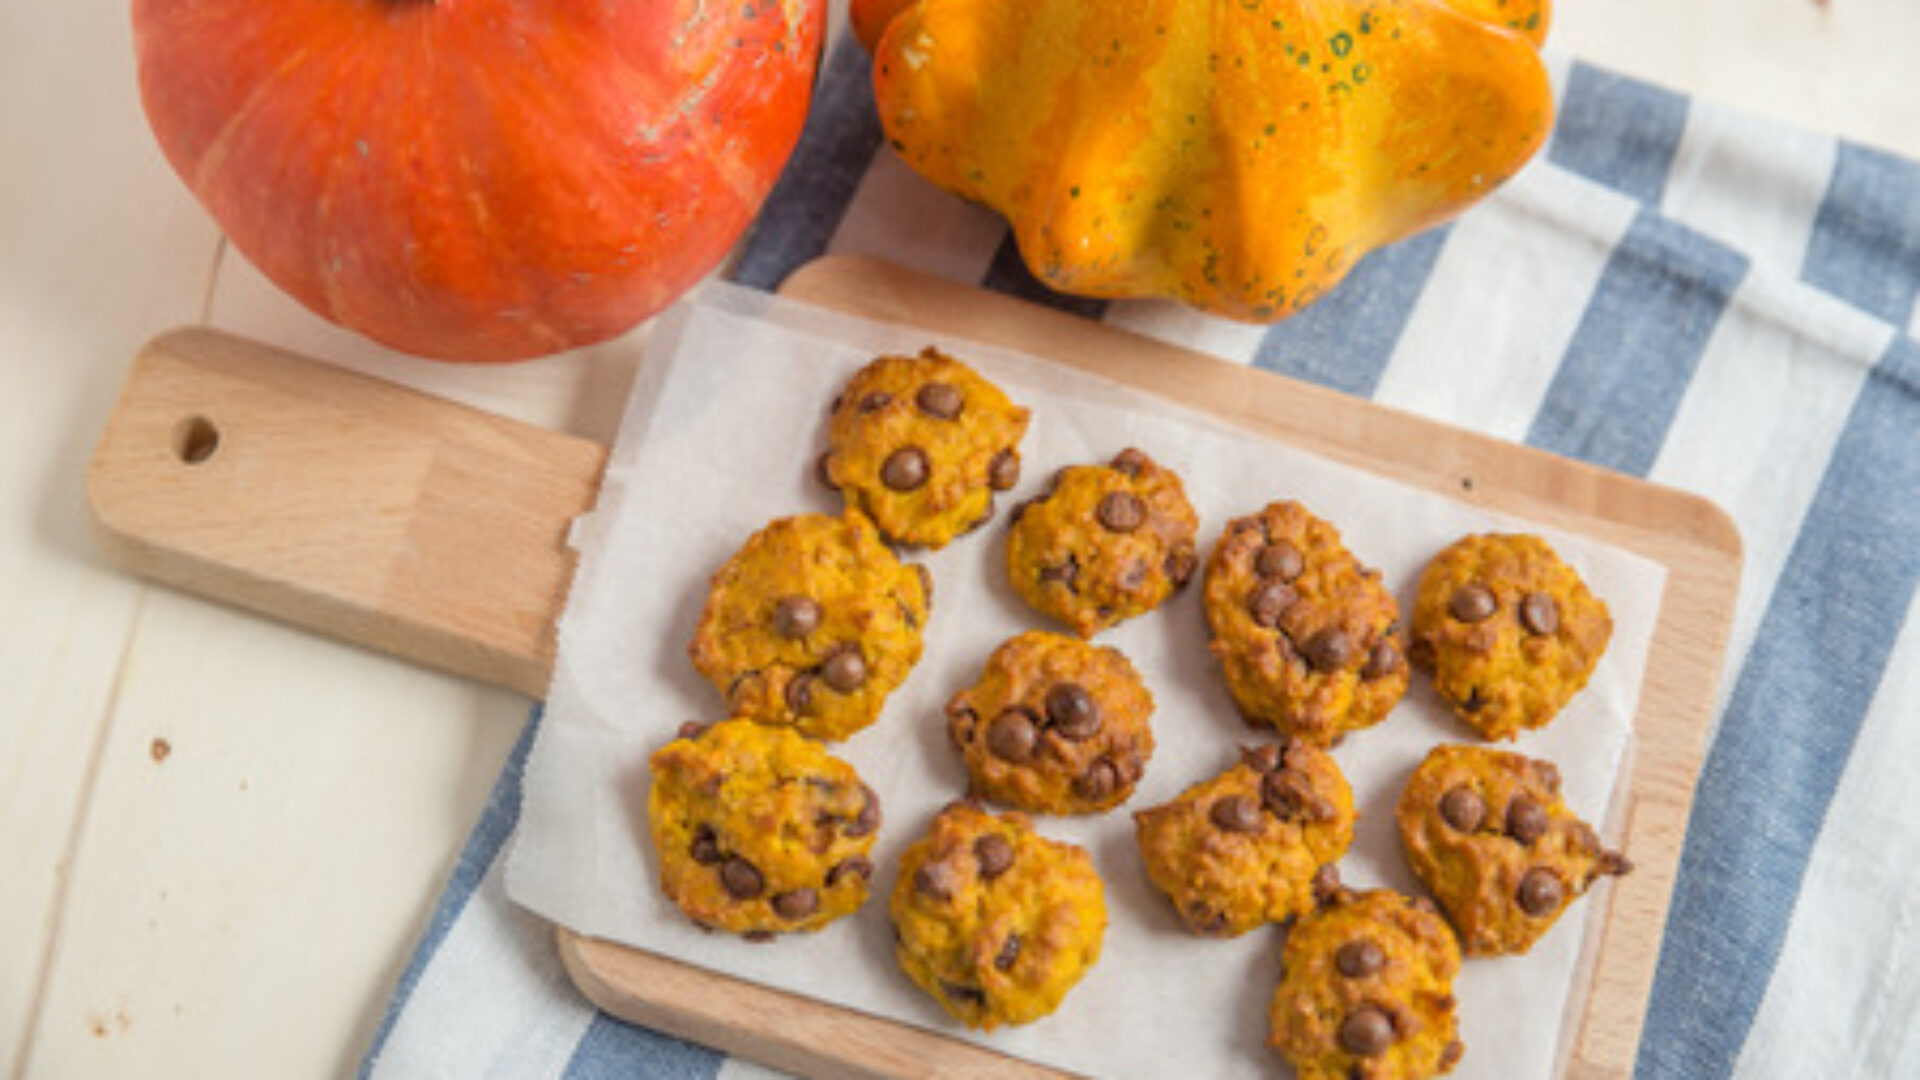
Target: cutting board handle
<point>342,503</point>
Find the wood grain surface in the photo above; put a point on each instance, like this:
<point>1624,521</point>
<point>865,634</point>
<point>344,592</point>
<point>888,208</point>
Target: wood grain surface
<point>339,502</point>
<point>436,532</point>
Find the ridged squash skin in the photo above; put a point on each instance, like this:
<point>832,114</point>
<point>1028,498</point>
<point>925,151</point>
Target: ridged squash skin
<point>479,179</point>
<point>1236,155</point>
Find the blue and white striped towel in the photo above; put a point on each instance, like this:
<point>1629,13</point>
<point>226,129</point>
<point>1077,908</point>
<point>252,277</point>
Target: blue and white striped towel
<point>1673,290</point>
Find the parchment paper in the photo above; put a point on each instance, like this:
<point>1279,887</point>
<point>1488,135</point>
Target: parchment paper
<point>720,437</point>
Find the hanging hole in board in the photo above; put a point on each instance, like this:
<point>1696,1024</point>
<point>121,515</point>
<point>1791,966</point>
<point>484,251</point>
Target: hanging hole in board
<point>195,439</point>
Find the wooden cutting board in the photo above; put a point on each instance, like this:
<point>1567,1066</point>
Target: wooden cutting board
<point>436,532</point>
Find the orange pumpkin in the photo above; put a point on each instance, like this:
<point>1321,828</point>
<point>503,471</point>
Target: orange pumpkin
<point>479,179</point>
<point>1238,156</point>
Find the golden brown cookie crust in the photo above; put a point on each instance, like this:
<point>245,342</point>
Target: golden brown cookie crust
<point>992,919</point>
<point>1054,725</point>
<point>1105,543</point>
<point>1488,834</point>
<point>1254,845</point>
<point>812,624</point>
<point>1307,637</point>
<point>1368,991</point>
<point>1509,632</point>
<point>760,831</point>
<point>921,444</point>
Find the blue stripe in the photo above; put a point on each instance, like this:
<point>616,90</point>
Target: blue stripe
<point>1008,274</point>
<point>483,844</point>
<point>1618,131</point>
<point>805,207</point>
<point>1790,726</point>
<point>1345,339</point>
<point>611,1050</point>
<point>1649,319</point>
<point>1865,246</point>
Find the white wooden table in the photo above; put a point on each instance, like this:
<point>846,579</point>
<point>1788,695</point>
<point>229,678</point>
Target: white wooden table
<point>219,837</point>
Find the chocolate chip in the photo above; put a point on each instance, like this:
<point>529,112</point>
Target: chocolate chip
<point>1614,863</point>
<point>741,878</point>
<point>926,583</point>
<point>875,400</point>
<point>1472,603</point>
<point>939,400</point>
<point>1287,792</point>
<point>964,995</point>
<point>1326,883</point>
<point>796,903</point>
<point>852,866</point>
<point>868,819</point>
<point>1261,759</point>
<point>1280,560</point>
<point>1012,735</point>
<point>1121,511</point>
<point>1527,820</point>
<point>1003,472</point>
<point>1065,573</point>
<point>1235,813</point>
<point>936,880</point>
<point>1366,1032</point>
<point>995,855</point>
<point>692,729</point>
<point>905,469</point>
<point>1204,918</point>
<point>1359,958</point>
<point>1329,649</point>
<point>823,470</point>
<point>1101,780</point>
<point>1451,1055</point>
<point>1072,711</point>
<point>796,616</point>
<point>1009,953</point>
<point>1540,614</point>
<point>1540,892</point>
<point>705,847</point>
<point>1462,808</point>
<point>1382,660</point>
<point>1134,576</point>
<point>846,670</point>
<point>1180,565</point>
<point>799,693</point>
<point>1269,600</point>
<point>1131,462</point>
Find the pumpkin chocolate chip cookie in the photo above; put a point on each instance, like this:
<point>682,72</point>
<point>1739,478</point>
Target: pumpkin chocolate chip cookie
<point>760,831</point>
<point>1307,637</point>
<point>812,623</point>
<point>920,444</point>
<point>1488,834</point>
<point>992,919</point>
<point>1105,542</point>
<point>1054,725</point>
<point>1367,990</point>
<point>1253,845</point>
<point>1509,631</point>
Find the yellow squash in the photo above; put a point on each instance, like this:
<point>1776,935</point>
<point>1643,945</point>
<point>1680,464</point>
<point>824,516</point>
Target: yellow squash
<point>1237,155</point>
